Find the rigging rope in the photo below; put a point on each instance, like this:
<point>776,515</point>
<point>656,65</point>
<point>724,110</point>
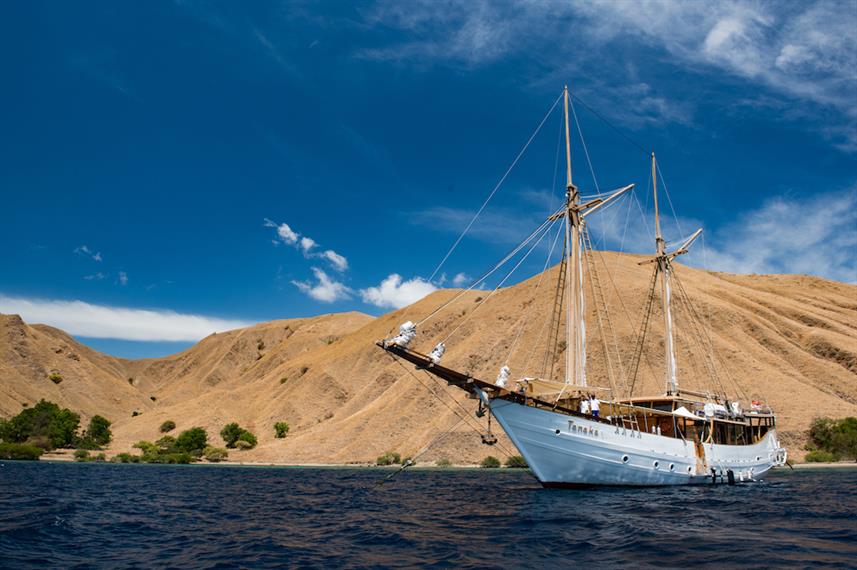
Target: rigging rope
<point>609,124</point>
<point>488,274</point>
<point>593,284</point>
<point>669,199</point>
<point>491,294</point>
<point>525,318</point>
<point>641,336</point>
<point>465,418</point>
<point>494,191</point>
<point>585,150</point>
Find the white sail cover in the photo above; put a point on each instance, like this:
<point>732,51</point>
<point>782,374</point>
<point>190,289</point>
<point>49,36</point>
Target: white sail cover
<point>407,333</point>
<point>711,408</point>
<point>503,377</point>
<point>683,412</point>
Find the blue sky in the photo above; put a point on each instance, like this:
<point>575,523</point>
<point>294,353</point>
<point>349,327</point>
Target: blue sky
<point>165,163</point>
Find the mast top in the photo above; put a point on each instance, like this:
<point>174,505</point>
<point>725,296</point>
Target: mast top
<point>570,189</point>
<point>658,237</point>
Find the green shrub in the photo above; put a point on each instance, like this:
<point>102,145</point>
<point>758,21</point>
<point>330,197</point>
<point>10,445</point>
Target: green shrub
<point>490,462</point>
<point>58,425</point>
<point>230,434</point>
<point>146,447</point>
<point>284,379</point>
<point>516,462</point>
<point>389,458</point>
<point>55,377</point>
<point>304,370</point>
<point>443,462</point>
<point>167,444</point>
<point>100,457</point>
<point>86,443</point>
<point>99,430</point>
<point>81,455</point>
<point>176,458</point>
<point>281,429</point>
<point>248,438</point>
<point>19,451</point>
<point>819,456</point>
<point>192,441</point>
<point>242,445</point>
<point>215,454</point>
<point>135,413</point>
<point>126,458</point>
<point>233,433</point>
<point>838,437</point>
<point>168,426</point>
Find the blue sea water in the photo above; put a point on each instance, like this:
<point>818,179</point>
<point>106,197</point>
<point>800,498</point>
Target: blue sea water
<point>55,515</point>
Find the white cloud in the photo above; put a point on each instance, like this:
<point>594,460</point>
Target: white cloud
<point>790,235</point>
<point>286,234</point>
<point>123,278</point>
<point>461,279</point>
<point>395,293</point>
<point>99,321</point>
<point>324,289</point>
<point>87,252</point>
<point>804,50</point>
<point>307,244</point>
<point>337,261</point>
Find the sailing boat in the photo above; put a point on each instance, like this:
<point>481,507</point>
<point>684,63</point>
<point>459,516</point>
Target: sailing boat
<point>571,435</point>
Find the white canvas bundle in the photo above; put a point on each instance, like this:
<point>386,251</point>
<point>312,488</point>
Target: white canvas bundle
<point>437,353</point>
<point>503,377</point>
<point>407,333</point>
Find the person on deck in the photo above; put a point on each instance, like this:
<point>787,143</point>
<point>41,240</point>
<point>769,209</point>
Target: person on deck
<point>584,405</point>
<point>593,404</point>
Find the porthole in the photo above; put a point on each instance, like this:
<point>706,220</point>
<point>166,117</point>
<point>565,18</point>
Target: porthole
<point>672,466</point>
<point>689,469</point>
<point>624,459</point>
<point>758,458</point>
<point>557,432</point>
<point>656,463</point>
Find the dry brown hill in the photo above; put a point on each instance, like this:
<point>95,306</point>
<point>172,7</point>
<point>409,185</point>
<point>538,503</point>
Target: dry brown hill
<point>791,340</point>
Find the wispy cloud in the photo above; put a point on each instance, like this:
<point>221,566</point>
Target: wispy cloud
<point>806,51</point>
<point>100,321</point>
<point>306,245</point>
<point>791,235</point>
<point>394,293</point>
<point>85,251</point>
<point>501,226</point>
<point>95,276</point>
<point>123,278</point>
<point>324,288</point>
<point>461,279</point>
<point>786,234</point>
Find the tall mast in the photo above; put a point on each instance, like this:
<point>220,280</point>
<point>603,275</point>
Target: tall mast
<point>663,261</point>
<point>575,350</point>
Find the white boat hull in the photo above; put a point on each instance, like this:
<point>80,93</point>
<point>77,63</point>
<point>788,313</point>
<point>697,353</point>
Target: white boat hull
<point>567,451</point>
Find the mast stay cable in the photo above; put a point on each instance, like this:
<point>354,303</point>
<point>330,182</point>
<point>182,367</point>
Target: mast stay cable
<point>494,191</point>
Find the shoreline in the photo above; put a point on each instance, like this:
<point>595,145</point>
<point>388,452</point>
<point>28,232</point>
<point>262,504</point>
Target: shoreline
<point>67,457</point>
<point>836,465</point>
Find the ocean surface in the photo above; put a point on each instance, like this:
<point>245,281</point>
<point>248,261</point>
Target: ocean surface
<point>65,515</point>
